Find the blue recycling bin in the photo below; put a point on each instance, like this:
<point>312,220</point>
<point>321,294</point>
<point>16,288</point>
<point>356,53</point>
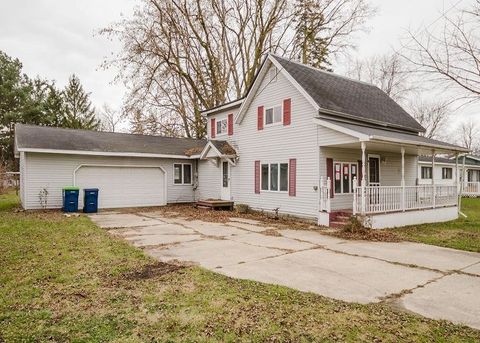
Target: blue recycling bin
<point>70,199</point>
<point>90,200</point>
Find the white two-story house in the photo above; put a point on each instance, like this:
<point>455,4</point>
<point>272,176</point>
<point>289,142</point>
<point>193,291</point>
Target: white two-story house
<point>302,142</point>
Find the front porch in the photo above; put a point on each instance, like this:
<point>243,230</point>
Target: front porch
<point>377,180</point>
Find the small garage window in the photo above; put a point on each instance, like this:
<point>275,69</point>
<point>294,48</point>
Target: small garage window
<point>182,173</point>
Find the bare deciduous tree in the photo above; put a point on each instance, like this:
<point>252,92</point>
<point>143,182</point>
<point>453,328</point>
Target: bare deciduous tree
<point>181,56</point>
<point>110,119</point>
<point>326,28</point>
<point>468,133</point>
<point>451,58</point>
<point>388,72</point>
<point>431,115</point>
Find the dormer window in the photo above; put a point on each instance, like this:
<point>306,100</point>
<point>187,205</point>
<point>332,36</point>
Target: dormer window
<point>222,126</point>
<point>272,74</point>
<point>273,115</point>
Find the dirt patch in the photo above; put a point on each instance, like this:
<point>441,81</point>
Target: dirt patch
<point>271,232</point>
<point>192,213</point>
<point>365,235</point>
<point>150,271</point>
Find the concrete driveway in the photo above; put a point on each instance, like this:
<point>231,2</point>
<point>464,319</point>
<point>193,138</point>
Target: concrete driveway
<point>435,282</point>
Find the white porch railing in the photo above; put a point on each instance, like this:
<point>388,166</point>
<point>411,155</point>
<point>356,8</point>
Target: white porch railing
<point>471,189</point>
<point>325,189</point>
<point>383,199</point>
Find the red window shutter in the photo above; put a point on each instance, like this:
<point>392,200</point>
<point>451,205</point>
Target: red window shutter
<point>330,175</point>
<point>360,172</point>
<point>230,124</point>
<point>212,128</point>
<point>260,118</point>
<point>287,111</point>
<point>292,177</point>
<point>257,177</point>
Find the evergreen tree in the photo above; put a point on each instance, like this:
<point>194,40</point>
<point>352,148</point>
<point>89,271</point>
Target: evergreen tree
<point>54,106</point>
<point>310,24</point>
<point>79,113</point>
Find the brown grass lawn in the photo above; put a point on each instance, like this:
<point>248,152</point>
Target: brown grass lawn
<point>64,279</point>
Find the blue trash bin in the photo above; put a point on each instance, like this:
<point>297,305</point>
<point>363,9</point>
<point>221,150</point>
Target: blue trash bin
<point>90,200</point>
<point>70,199</point>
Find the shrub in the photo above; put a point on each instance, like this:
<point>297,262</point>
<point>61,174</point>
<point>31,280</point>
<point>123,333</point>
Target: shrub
<point>242,208</point>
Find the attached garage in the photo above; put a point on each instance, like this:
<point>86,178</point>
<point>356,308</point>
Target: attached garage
<point>124,186</point>
<point>129,170</point>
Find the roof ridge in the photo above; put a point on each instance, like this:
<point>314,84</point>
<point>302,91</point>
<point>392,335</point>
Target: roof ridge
<point>326,71</point>
<point>107,132</point>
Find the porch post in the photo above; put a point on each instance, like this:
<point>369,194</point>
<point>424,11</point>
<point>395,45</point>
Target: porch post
<point>434,191</point>
<point>364,180</point>
<point>403,178</point>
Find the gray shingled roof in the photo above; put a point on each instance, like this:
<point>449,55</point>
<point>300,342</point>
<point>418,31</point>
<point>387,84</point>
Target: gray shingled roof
<point>224,147</point>
<point>393,135</point>
<point>353,98</point>
<point>41,137</point>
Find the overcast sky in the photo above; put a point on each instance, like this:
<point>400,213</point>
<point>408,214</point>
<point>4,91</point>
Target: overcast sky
<point>54,38</point>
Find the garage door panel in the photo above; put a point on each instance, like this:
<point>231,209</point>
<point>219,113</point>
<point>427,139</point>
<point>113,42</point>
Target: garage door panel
<point>124,186</point>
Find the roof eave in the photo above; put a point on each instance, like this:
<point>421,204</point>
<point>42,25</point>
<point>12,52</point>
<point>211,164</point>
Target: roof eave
<point>369,121</point>
<point>104,153</point>
<point>433,146</point>
<point>230,105</point>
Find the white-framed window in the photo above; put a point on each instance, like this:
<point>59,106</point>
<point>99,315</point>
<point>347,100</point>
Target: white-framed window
<point>182,173</point>
<point>222,126</point>
<point>447,173</point>
<point>272,74</point>
<point>343,175</point>
<point>273,115</point>
<point>274,177</point>
<point>426,172</point>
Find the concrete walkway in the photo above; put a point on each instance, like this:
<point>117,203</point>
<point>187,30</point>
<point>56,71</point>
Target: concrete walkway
<point>435,282</point>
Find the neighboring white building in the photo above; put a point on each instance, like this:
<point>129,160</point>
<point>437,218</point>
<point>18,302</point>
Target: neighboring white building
<point>444,171</point>
<point>302,141</point>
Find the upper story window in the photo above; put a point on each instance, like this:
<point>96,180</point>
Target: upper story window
<point>272,74</point>
<point>222,126</point>
<point>182,173</point>
<point>273,115</point>
<point>447,173</point>
<point>426,172</point>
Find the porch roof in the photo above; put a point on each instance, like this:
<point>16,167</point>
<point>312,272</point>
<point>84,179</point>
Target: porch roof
<point>218,148</point>
<point>377,136</point>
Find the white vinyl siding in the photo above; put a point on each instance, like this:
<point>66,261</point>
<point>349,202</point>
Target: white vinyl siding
<point>54,171</point>
<point>278,144</point>
<point>22,178</point>
<point>209,181</point>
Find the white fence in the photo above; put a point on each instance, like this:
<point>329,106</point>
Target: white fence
<point>383,199</point>
<point>471,189</point>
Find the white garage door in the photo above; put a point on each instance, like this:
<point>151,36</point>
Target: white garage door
<point>123,186</point>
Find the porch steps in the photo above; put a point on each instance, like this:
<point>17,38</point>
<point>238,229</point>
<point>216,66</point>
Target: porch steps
<point>214,204</point>
<point>339,219</point>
